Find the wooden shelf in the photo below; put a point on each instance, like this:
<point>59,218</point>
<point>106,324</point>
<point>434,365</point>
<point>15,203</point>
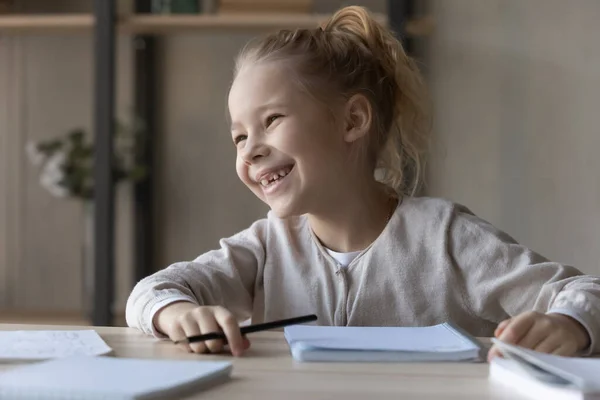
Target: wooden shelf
<point>50,317</point>
<point>162,24</point>
<point>173,23</point>
<point>46,23</point>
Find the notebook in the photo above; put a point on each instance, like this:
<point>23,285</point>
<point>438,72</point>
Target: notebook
<point>91,378</point>
<point>545,376</point>
<point>443,342</point>
<point>19,346</point>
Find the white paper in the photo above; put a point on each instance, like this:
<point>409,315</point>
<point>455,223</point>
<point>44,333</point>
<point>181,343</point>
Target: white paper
<point>583,372</point>
<point>509,374</point>
<point>381,344</point>
<point>439,338</point>
<point>109,378</point>
<point>43,345</point>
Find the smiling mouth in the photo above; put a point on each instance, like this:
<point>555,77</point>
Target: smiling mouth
<point>275,176</point>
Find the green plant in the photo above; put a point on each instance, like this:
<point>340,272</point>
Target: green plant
<point>67,161</point>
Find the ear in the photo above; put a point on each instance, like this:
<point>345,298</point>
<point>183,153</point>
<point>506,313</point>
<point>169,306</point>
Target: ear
<point>357,118</point>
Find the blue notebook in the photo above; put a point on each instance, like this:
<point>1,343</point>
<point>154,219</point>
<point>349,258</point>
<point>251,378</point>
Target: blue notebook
<point>443,342</point>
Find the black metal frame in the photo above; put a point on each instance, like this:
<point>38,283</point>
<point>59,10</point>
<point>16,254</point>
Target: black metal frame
<point>104,102</point>
<point>145,108</point>
<point>399,12</point>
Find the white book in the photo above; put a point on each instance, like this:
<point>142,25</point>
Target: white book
<point>95,378</point>
<point>545,376</point>
<point>19,346</point>
<point>443,342</point>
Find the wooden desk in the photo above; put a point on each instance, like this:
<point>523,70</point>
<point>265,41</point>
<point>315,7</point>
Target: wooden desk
<point>267,371</point>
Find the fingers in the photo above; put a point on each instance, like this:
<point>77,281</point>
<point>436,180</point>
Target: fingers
<point>566,349</point>
<point>246,343</point>
<point>537,333</point>
<point>177,334</point>
<point>202,320</point>
<point>553,334</point>
<point>230,327</point>
<point>494,352</point>
<point>208,324</point>
<point>517,328</point>
<point>189,324</point>
<point>166,319</point>
<point>549,345</point>
<point>501,326</point>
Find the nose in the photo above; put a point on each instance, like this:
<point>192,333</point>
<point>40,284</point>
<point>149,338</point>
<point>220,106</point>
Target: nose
<point>254,149</point>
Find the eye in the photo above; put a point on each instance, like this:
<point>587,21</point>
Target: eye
<point>239,138</point>
<point>272,118</point>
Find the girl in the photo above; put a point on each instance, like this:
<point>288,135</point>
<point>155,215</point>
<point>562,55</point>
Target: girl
<point>330,129</point>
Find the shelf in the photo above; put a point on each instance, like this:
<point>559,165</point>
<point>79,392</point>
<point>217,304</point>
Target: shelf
<point>173,23</point>
<point>163,24</point>
<point>46,23</point>
<point>52,317</point>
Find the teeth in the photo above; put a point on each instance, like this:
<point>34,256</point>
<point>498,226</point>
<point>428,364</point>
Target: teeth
<point>275,176</point>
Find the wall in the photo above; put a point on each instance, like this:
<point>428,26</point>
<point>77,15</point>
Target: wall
<point>46,89</point>
<point>516,89</point>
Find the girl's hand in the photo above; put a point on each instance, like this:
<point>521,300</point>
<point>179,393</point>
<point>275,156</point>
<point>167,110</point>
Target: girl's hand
<point>182,319</point>
<point>547,333</point>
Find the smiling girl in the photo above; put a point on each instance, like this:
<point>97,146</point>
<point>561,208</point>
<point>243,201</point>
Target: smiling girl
<point>330,127</point>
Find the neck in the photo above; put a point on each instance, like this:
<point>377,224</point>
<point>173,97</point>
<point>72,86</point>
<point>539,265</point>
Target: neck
<point>356,217</point>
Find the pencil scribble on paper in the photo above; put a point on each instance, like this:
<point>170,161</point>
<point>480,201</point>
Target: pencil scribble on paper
<point>39,345</point>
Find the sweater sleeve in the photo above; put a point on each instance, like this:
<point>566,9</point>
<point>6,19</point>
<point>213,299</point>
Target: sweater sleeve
<point>224,277</point>
<point>503,278</point>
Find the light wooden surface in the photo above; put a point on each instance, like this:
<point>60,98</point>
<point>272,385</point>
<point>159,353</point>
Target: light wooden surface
<point>18,316</point>
<point>46,23</point>
<point>176,23</point>
<point>162,24</point>
<point>267,371</point>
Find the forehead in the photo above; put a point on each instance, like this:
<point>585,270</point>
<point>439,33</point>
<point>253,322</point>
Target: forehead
<point>259,84</point>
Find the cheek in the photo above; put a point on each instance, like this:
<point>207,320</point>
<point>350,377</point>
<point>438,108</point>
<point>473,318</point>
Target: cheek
<point>319,147</point>
<point>242,171</point>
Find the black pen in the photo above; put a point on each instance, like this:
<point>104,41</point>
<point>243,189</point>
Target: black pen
<point>250,328</point>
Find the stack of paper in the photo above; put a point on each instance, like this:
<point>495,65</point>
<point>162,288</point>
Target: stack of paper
<point>76,372</point>
<point>442,342</point>
<point>545,376</point>
<point>110,378</point>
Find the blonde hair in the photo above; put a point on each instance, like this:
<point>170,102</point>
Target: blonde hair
<point>352,53</point>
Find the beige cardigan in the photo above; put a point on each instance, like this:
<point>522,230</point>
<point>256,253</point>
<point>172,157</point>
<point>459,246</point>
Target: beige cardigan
<point>435,261</point>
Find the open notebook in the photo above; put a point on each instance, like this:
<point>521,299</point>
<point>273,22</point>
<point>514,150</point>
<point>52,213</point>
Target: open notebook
<point>545,376</point>
<point>17,346</point>
<point>443,342</point>
<point>89,378</point>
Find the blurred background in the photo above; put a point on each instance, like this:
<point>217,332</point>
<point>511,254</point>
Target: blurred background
<point>516,93</point>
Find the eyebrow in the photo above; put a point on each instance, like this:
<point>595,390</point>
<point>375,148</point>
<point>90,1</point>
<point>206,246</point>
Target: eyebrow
<point>273,104</point>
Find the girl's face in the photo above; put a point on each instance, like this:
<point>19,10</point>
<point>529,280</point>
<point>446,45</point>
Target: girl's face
<point>289,151</point>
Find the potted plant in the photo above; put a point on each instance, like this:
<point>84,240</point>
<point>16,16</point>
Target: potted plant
<point>66,171</point>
